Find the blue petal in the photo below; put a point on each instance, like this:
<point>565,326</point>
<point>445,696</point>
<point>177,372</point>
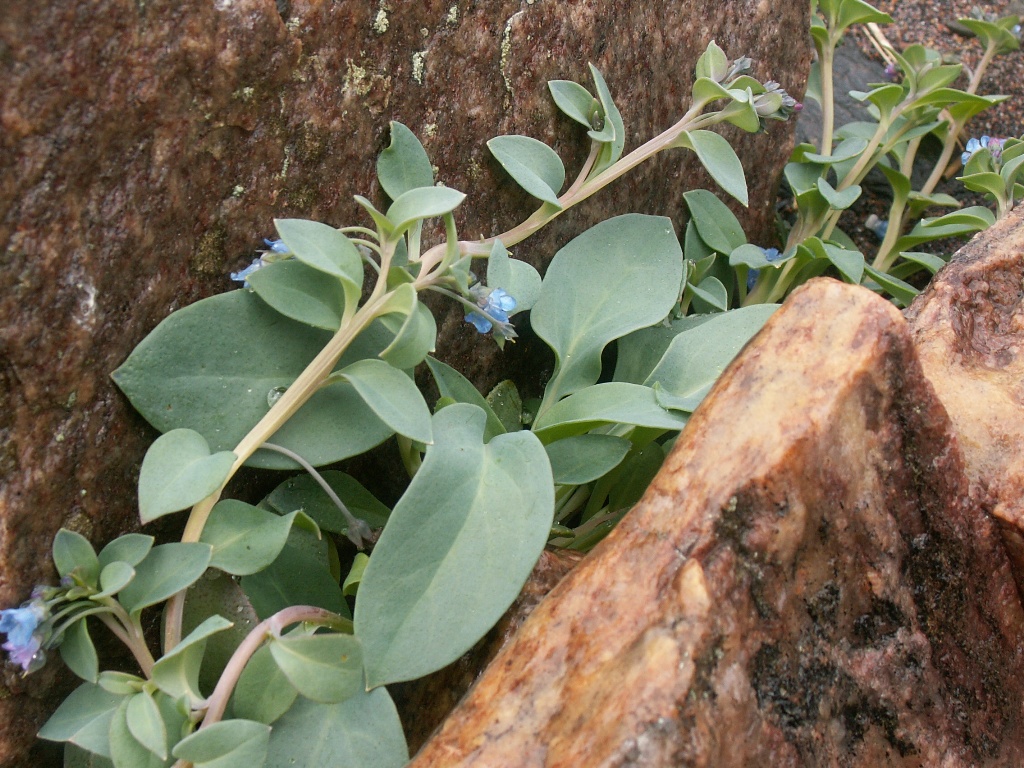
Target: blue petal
<point>480,322</point>
<point>772,254</point>
<point>500,299</point>
<point>277,246</point>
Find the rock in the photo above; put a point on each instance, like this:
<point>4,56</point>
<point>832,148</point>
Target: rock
<point>968,327</point>
<point>424,704</point>
<point>807,582</point>
<point>146,147</point>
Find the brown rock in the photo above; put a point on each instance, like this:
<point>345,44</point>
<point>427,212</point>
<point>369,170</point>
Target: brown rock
<point>807,582</point>
<point>968,327</point>
<point>146,146</point>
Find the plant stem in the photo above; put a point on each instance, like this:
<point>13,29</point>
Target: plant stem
<point>271,627</point>
<point>825,65</point>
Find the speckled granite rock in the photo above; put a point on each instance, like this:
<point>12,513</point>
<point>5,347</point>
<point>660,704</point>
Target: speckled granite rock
<point>146,146</point>
<point>969,330</point>
<point>807,582</point>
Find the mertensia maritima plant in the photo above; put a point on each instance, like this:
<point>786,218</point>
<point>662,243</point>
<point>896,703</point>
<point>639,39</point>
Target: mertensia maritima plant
<point>284,621</point>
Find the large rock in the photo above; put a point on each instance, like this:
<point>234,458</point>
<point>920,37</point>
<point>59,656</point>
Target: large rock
<point>807,582</point>
<point>969,330</point>
<point>146,147</point>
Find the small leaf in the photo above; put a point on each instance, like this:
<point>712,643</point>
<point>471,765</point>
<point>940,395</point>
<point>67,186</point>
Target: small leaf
<point>146,724</point>
<point>849,263</point>
<point>355,574</point>
<point>361,731</point>
<point>130,548</point>
<point>166,570</point>
<point>453,384</point>
<point>422,203</point>
<point>710,295</point>
<point>325,668</point>
<point>838,201</point>
<point>125,750</point>
<point>414,331</point>
<point>716,224</point>
<point>227,744</point>
<point>611,151</point>
<point>83,718</point>
<point>581,459</point>
<point>613,402</point>
<point>299,576</point>
<point>392,395</point>
<point>301,292</point>
<point>245,539</point>
<point>79,653</point>
<point>507,405</point>
<point>404,165</point>
<point>573,100</point>
<point>719,158</point>
<point>696,357</point>
<point>74,555</point>
<point>519,279</point>
<point>427,594</point>
<point>533,165</point>
<point>262,693</point>
<point>847,149</point>
<point>179,471</point>
<point>114,578</point>
<point>902,292</point>
<point>322,247</point>
<point>177,671</point>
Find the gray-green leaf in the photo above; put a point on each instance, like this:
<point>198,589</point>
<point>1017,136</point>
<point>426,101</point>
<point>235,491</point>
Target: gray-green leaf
<point>179,471</point>
<point>325,668</point>
<point>167,569</point>
<point>404,165</point>
<point>457,549</point>
<point>227,744</point>
<point>616,277</point>
<point>532,164</point>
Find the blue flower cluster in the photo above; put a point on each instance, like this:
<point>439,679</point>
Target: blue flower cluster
<point>770,255</point>
<point>993,145</point>
<point>26,631</point>
<point>495,306</point>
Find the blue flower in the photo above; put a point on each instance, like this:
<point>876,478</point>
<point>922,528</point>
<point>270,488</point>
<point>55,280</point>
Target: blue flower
<point>277,246</point>
<point>877,225</point>
<point>770,255</point>
<point>243,275</point>
<point>495,306</point>
<point>24,636</point>
<point>993,145</point>
<point>892,72</point>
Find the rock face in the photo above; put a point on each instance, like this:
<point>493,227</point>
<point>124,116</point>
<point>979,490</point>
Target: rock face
<point>969,331</point>
<point>146,147</point>
<point>822,591</point>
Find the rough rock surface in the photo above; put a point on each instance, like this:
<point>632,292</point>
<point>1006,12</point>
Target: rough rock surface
<point>969,331</point>
<point>823,591</point>
<point>146,146</point>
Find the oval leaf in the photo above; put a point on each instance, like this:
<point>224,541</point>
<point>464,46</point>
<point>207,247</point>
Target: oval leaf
<point>422,203</point>
<point>79,653</point>
<point>533,165</point>
<point>619,276</point>
<point>427,594</point>
<point>184,376</point>
<point>719,158</point>
<point>404,165</point>
<point>613,402</point>
<point>322,247</point>
<point>262,693</point>
<point>584,458</point>
<point>392,395</point>
<point>361,731</point>
<point>300,292</point>
<point>227,744</point>
<point>73,554</point>
<point>130,548</point>
<point>167,569</point>
<point>245,539</point>
<point>574,100</point>
<point>325,668</point>
<point>179,471</point>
